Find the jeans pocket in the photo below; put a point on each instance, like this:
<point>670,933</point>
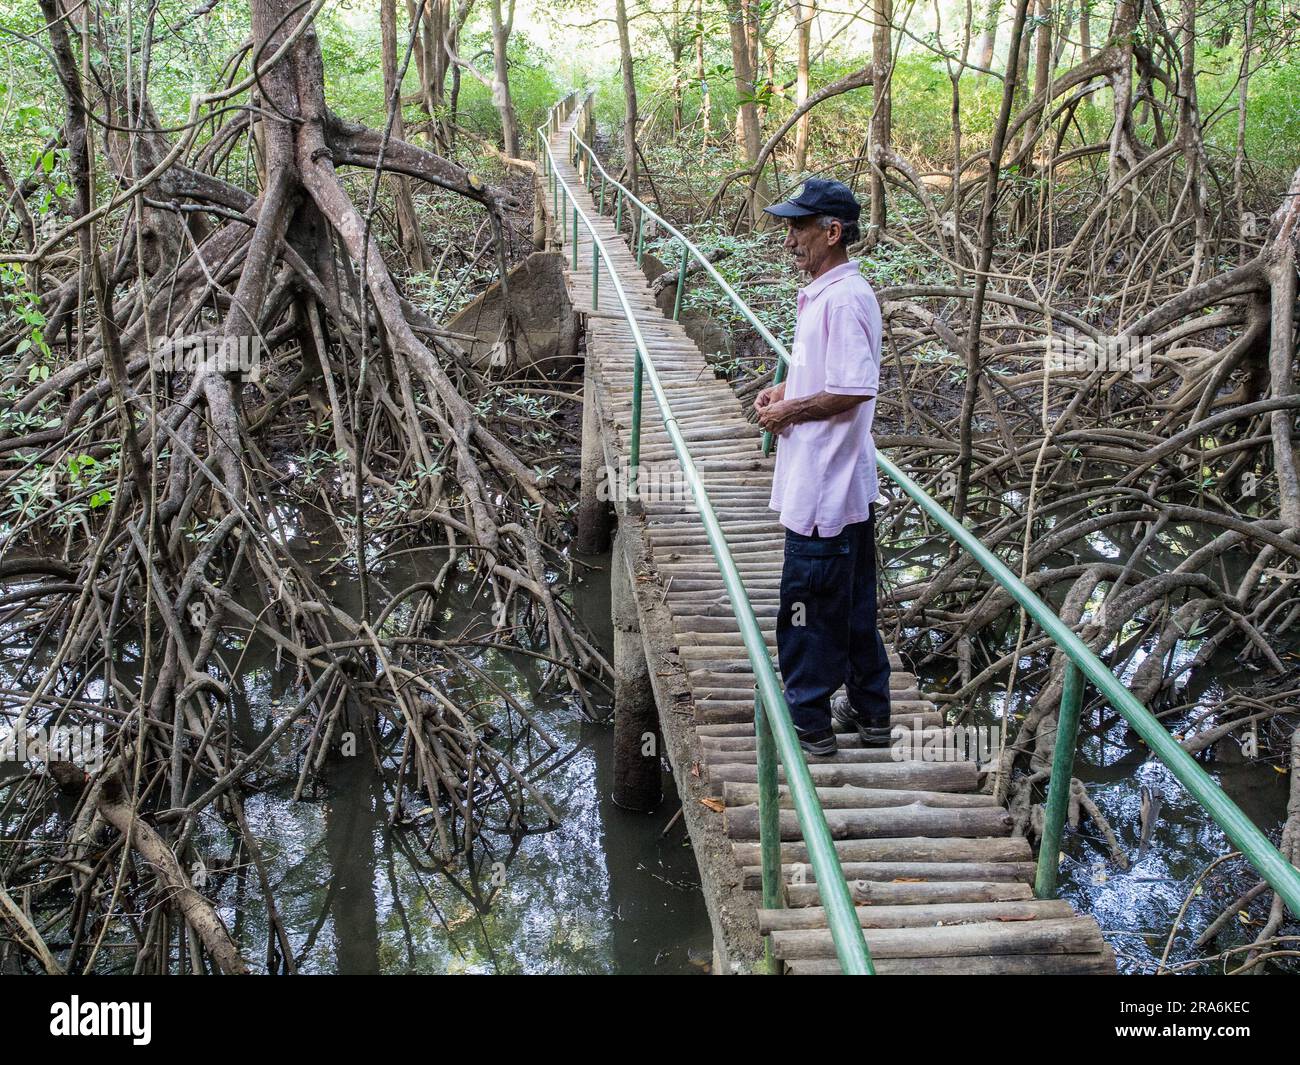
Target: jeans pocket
<point>797,579</point>
<point>797,546</point>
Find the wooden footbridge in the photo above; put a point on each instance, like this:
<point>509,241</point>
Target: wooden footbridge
<point>795,854</point>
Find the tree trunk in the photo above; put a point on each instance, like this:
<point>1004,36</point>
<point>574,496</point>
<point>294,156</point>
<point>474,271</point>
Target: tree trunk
<point>501,28</point>
<point>1239,156</point>
<point>1042,67</point>
<point>1189,132</point>
<point>706,104</point>
<point>408,223</point>
<point>805,12</point>
<point>989,36</point>
<point>1122,153</point>
<point>417,17</point>
<point>747,104</point>
<point>882,18</point>
<point>678,46</point>
<point>1062,33</point>
<point>629,97</point>
<point>1281,260</point>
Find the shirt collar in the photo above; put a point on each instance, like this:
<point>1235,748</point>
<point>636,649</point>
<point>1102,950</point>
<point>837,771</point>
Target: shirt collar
<point>814,288</point>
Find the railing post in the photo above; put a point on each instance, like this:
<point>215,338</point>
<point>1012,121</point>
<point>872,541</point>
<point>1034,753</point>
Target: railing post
<point>634,445</point>
<point>595,273</point>
<point>575,237</point>
<point>640,237</point>
<point>1058,792</point>
<point>602,194</point>
<point>777,378</point>
<point>769,822</point>
<point>618,211</point>
<point>681,284</point>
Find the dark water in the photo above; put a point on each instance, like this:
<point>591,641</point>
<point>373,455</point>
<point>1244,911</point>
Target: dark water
<point>608,891</point>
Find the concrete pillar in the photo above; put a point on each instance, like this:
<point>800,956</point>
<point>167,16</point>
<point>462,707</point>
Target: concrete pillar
<point>593,511</point>
<point>540,190</point>
<point>638,779</point>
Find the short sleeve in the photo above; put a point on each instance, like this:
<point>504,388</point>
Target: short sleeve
<point>852,350</point>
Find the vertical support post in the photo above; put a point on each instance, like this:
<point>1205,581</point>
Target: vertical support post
<point>595,273</point>
<point>638,777</point>
<point>602,193</point>
<point>634,445</point>
<point>618,211</point>
<point>681,284</point>
<point>575,237</point>
<point>769,822</point>
<point>1058,792</point>
<point>777,378</point>
<point>640,237</point>
<point>593,511</point>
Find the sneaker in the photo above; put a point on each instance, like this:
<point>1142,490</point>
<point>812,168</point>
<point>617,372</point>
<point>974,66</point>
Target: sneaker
<point>821,744</point>
<point>873,735</point>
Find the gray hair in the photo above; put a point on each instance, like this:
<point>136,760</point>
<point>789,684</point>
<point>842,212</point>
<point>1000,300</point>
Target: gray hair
<point>851,232</point>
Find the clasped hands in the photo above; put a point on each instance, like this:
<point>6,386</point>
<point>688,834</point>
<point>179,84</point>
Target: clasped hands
<point>775,412</point>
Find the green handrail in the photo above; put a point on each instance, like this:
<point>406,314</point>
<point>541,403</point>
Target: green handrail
<point>772,711</point>
<point>1243,833</point>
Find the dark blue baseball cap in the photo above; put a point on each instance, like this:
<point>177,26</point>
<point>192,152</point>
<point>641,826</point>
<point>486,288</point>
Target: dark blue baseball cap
<point>820,196</point>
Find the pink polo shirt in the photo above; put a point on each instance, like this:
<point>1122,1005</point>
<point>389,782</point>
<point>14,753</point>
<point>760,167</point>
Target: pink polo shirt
<point>826,470</point>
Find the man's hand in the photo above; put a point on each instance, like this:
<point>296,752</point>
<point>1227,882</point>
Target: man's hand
<point>778,415</point>
<point>771,394</point>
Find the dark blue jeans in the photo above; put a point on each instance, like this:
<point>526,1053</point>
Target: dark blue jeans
<point>826,630</point>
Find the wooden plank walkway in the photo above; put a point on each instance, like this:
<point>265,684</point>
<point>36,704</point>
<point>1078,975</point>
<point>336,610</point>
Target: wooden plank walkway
<point>940,884</point>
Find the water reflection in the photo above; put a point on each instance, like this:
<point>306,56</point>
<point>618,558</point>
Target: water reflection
<point>607,891</point>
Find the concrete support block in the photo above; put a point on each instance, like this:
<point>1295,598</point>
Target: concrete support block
<point>638,779</point>
<point>594,513</point>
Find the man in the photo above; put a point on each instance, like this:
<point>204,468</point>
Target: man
<point>825,481</point>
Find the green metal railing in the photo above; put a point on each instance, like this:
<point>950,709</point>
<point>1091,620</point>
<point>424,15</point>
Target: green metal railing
<point>1083,666</point>
<point>773,726</point>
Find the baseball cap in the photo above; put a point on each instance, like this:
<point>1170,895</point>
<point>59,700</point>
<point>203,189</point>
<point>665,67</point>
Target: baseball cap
<point>820,196</point>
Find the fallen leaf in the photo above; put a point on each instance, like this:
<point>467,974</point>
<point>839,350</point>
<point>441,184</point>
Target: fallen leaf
<point>713,804</point>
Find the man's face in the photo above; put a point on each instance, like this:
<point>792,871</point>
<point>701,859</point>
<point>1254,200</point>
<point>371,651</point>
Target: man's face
<point>810,244</point>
